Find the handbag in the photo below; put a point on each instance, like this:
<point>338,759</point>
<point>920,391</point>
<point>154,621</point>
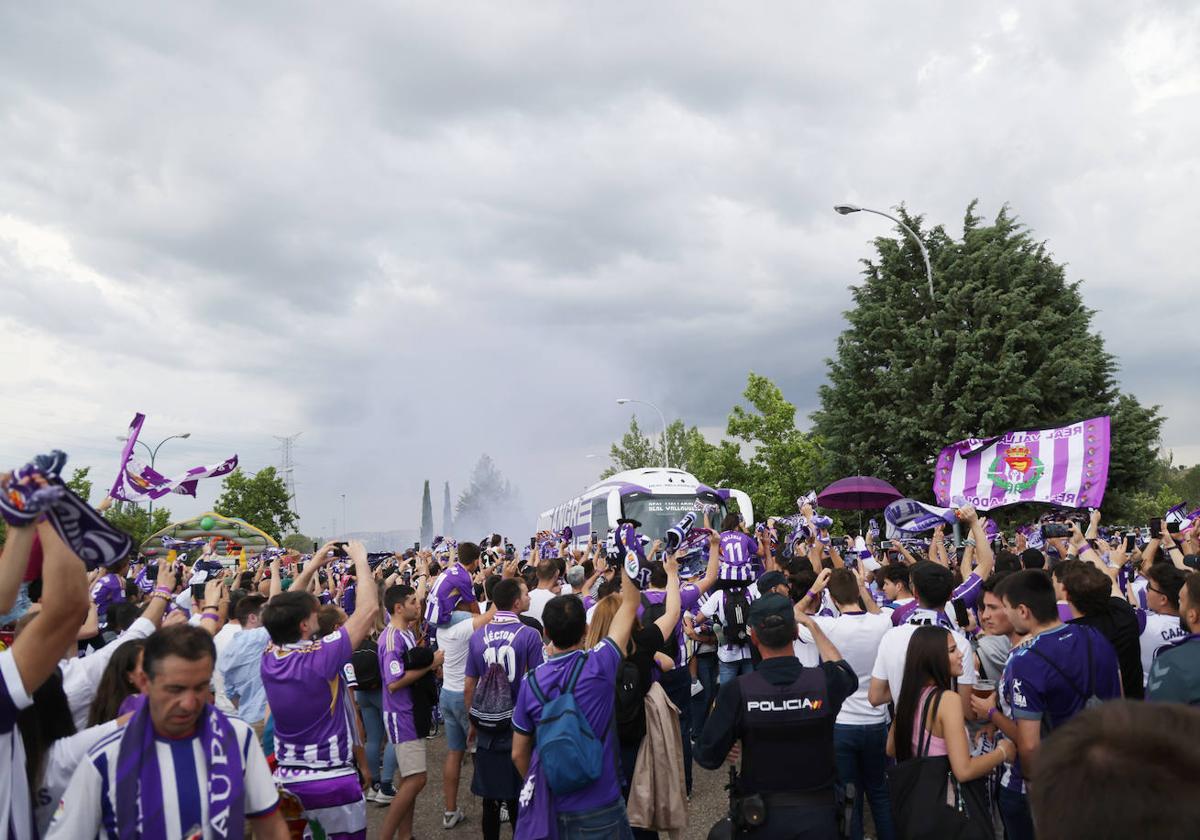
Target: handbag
<point>928,802</point>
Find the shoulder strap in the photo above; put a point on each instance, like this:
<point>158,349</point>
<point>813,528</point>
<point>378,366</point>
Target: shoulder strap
<point>573,677</point>
<point>531,677</point>
<point>1061,673</point>
<point>925,738</point>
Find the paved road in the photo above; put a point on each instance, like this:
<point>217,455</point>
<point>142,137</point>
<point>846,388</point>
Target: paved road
<point>709,803</point>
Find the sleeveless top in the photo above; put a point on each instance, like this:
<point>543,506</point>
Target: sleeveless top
<point>937,746</point>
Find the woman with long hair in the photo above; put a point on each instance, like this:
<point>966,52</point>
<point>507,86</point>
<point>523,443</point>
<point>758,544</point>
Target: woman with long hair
<point>931,667</point>
<point>117,682</point>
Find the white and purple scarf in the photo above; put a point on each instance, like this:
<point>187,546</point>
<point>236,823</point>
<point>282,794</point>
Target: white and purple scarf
<point>140,811</point>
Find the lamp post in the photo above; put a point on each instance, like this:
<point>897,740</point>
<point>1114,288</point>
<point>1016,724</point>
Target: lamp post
<point>661,416</point>
<point>154,454</point>
<point>847,209</point>
<point>345,527</point>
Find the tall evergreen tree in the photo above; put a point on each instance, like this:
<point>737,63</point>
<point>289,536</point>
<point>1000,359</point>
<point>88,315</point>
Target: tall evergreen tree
<point>488,504</point>
<point>447,511</point>
<point>1008,345</point>
<point>426,517</point>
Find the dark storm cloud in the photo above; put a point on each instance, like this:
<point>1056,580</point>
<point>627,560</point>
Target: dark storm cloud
<point>427,231</point>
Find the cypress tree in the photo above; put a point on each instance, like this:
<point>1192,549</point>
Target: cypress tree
<point>426,518</point>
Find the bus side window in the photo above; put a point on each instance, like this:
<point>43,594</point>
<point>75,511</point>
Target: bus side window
<point>600,516</point>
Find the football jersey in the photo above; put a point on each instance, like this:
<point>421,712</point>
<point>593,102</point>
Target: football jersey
<point>309,699</point>
<point>739,557</point>
<point>1058,689</point>
<point>16,815</point>
<point>397,705</point>
<point>515,646</point>
<point>451,588</point>
<point>1156,631</point>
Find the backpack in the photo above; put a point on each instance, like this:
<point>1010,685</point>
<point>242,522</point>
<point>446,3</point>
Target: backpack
<point>365,662</point>
<point>492,706</point>
<point>737,610</point>
<point>630,708</point>
<point>1089,697</point>
<point>572,757</point>
<point>651,613</point>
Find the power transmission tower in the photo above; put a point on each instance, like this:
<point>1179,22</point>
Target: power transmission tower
<point>287,467</point>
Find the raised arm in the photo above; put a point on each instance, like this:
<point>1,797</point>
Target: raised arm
<point>366,599</point>
<point>302,580</point>
<point>825,648</point>
<point>670,617</point>
<point>714,563</point>
<point>622,624</point>
<point>17,545</point>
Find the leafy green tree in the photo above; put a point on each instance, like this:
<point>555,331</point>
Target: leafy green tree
<point>1008,345</point>
<point>81,484</point>
<point>260,499</point>
<point>637,451</point>
<point>134,520</point>
<point>426,517</point>
<point>488,503</point>
<point>298,542</point>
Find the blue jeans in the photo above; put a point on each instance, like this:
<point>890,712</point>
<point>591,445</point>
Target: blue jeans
<point>706,672</point>
<point>606,823</point>
<point>1014,813</point>
<point>861,754</point>
<point>370,705</point>
<point>730,671</point>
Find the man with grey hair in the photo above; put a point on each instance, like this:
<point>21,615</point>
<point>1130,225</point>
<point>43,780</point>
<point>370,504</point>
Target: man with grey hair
<point>576,577</point>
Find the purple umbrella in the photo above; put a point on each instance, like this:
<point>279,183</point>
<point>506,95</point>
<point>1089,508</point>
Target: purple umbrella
<point>858,492</point>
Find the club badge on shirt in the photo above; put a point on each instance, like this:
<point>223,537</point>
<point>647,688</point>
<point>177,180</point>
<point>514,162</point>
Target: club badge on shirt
<point>394,667</point>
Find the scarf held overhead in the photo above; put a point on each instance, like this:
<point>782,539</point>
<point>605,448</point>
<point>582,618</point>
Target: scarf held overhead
<point>137,482</point>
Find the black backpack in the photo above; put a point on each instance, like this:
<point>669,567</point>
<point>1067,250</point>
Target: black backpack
<point>737,611</point>
<point>630,708</point>
<point>365,662</point>
<point>651,613</point>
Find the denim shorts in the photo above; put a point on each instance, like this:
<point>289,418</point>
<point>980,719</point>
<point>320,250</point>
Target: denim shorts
<point>454,716</point>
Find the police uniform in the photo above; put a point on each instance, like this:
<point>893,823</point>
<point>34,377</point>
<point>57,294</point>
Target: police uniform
<point>783,714</point>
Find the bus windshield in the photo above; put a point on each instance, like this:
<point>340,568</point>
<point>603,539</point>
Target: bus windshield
<point>658,513</point>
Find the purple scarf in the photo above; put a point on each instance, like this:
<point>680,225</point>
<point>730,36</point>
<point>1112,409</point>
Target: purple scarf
<point>140,812</point>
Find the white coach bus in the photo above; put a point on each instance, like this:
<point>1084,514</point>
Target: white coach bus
<point>657,497</point>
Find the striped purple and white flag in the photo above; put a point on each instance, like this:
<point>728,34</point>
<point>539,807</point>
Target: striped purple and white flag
<point>1066,466</point>
<point>137,482</point>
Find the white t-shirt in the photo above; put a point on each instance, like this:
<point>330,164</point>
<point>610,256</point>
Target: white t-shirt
<point>857,637</point>
<point>893,650</point>
<point>62,759</point>
<point>455,642</point>
<point>538,599</point>
<point>1158,631</point>
<point>221,641</point>
<point>714,606</point>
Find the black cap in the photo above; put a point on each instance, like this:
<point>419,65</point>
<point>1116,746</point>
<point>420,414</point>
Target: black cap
<point>769,580</point>
<point>771,609</point>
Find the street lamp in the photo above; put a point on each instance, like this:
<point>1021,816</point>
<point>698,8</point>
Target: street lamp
<point>154,454</point>
<point>661,416</point>
<point>847,209</point>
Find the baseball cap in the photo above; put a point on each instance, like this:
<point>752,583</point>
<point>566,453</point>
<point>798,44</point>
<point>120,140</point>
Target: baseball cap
<point>769,580</point>
<point>770,609</point>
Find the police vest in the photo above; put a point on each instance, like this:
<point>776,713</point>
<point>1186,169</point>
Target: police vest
<point>787,734</point>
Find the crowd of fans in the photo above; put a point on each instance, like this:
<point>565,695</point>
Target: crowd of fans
<point>181,694</point>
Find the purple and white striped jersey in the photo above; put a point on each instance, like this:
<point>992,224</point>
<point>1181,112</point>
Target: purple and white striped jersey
<point>16,814</point>
<point>107,591</point>
<point>314,721</point>
<point>398,704</point>
<point>451,588</point>
<point>739,557</point>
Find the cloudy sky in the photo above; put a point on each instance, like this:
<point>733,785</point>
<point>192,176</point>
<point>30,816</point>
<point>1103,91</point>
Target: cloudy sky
<point>418,232</point>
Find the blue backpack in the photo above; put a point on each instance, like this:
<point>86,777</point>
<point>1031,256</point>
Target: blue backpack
<point>572,757</point>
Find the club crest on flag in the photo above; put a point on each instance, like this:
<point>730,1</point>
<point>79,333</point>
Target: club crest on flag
<point>1015,469</point>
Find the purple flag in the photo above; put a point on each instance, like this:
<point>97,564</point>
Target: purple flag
<point>137,482</point>
<point>1066,466</point>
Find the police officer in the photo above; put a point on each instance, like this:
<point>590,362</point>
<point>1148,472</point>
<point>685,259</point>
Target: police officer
<point>780,720</point>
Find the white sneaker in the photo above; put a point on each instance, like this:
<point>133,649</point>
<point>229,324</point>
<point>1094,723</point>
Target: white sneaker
<point>382,797</point>
<point>504,812</point>
<point>452,818</point>
<point>697,687</point>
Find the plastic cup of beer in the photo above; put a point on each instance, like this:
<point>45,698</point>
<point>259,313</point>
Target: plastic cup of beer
<point>983,688</point>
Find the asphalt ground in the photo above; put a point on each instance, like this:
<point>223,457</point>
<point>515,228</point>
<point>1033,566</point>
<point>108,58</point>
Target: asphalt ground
<point>709,802</point>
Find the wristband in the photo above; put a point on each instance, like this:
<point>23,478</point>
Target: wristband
<point>208,608</point>
<point>164,590</point>
<point>214,616</point>
<point>1082,549</point>
<point>810,594</point>
<point>163,595</point>
<point>991,712</point>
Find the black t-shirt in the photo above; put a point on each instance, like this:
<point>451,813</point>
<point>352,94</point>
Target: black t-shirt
<point>646,642</point>
<point>1118,623</point>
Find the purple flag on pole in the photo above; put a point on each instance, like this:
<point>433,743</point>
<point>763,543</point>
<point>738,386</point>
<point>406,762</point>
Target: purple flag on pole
<point>1066,466</point>
<point>137,482</point>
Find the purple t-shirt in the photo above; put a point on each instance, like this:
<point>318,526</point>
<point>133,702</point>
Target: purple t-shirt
<point>739,556</point>
<point>349,598</point>
<point>451,588</point>
<point>107,591</point>
<point>314,723</point>
<point>595,697</point>
<point>969,590</point>
<point>398,704</point>
<point>689,599</point>
<point>1038,689</point>
<point>506,640</point>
